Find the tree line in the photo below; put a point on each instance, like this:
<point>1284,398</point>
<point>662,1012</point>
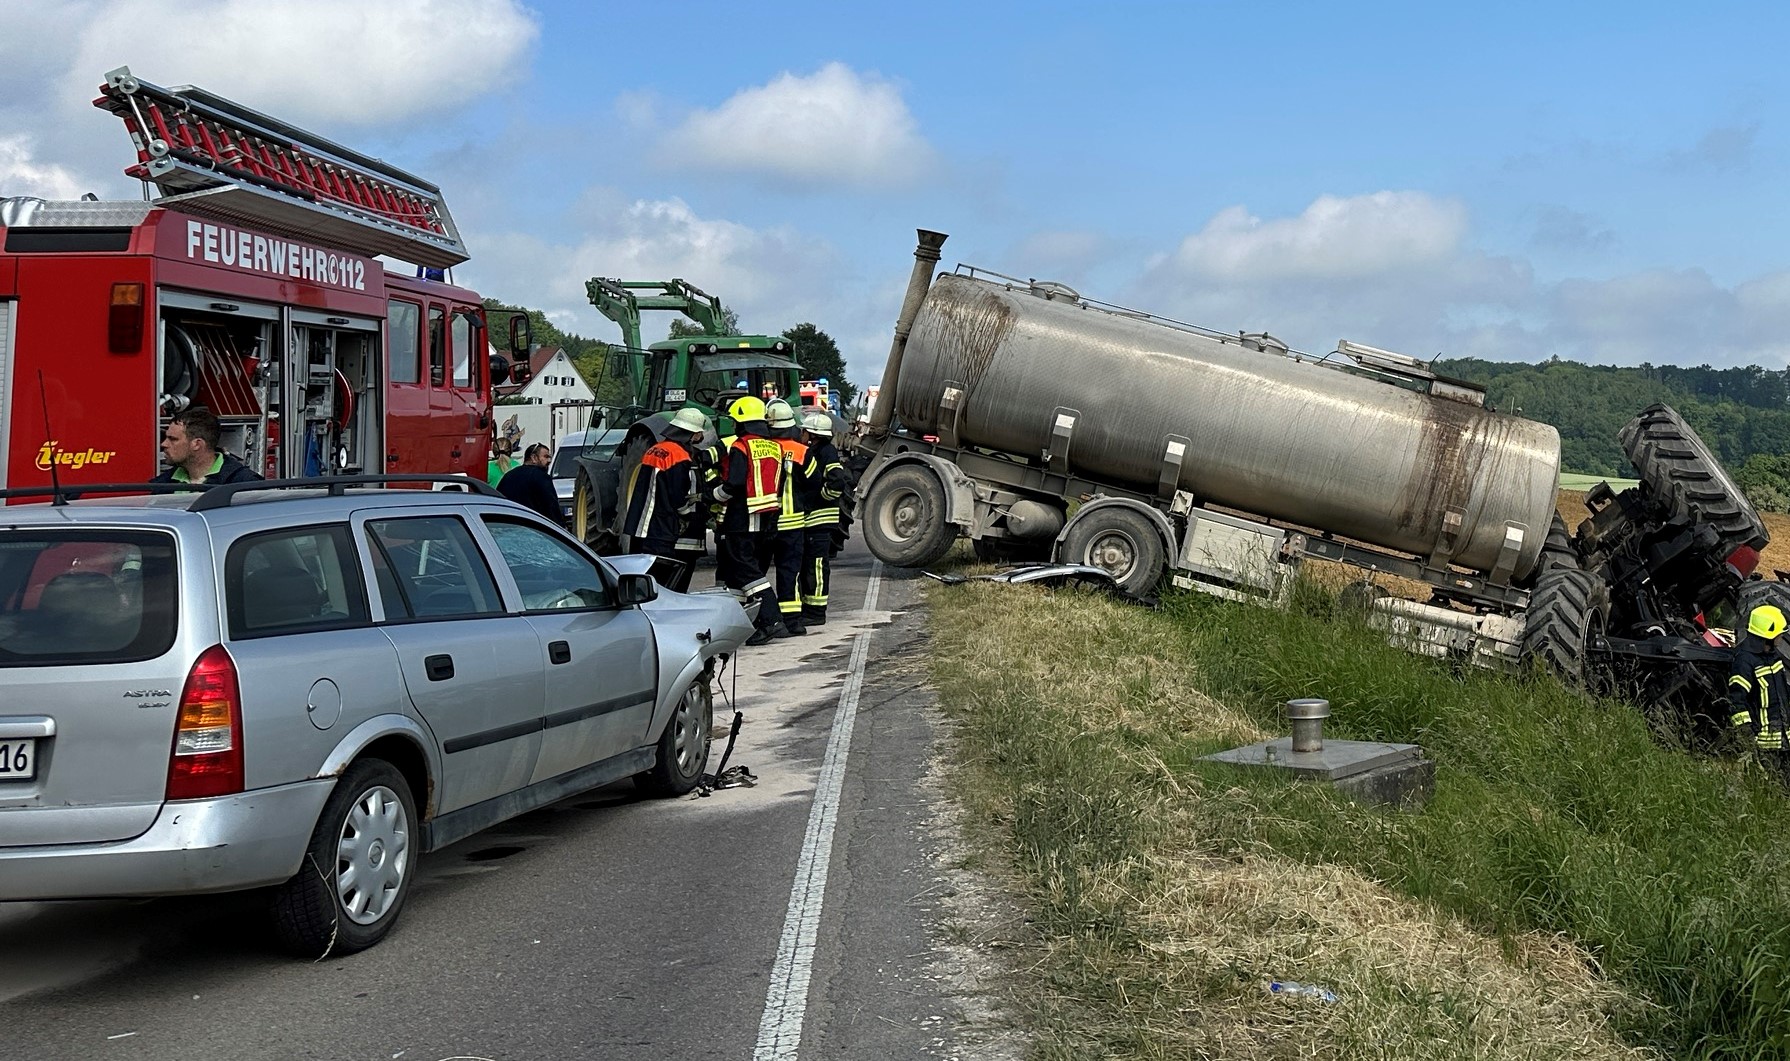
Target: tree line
<point>1742,414</point>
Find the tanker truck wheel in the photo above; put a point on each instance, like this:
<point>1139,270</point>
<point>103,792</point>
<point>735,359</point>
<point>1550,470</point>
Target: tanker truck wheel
<point>1678,467</point>
<point>1567,612</point>
<point>1123,543</point>
<point>904,518</point>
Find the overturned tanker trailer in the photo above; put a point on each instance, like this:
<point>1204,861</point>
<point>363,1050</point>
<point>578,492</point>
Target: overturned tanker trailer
<point>1041,424</point>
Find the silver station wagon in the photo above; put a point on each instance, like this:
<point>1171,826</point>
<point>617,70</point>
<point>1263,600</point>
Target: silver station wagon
<point>307,687</point>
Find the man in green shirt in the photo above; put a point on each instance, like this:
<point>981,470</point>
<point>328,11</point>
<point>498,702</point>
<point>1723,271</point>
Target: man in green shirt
<point>190,445</point>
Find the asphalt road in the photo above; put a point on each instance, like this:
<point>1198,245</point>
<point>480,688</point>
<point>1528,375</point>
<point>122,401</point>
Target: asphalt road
<point>799,918</point>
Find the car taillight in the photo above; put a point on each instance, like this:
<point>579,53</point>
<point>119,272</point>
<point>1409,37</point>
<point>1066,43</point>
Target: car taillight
<point>207,758</point>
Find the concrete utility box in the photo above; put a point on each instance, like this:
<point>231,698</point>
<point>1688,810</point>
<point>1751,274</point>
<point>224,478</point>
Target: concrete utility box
<point>1395,775</point>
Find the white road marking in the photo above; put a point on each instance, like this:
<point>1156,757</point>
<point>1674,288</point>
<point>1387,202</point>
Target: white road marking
<point>786,1003</point>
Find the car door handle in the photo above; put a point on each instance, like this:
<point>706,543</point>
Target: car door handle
<point>559,652</point>
<point>438,668</point>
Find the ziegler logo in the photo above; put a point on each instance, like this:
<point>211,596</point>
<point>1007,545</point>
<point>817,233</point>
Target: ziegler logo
<point>77,458</point>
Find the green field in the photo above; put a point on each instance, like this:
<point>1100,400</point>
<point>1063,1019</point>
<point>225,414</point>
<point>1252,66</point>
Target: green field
<point>1575,481</point>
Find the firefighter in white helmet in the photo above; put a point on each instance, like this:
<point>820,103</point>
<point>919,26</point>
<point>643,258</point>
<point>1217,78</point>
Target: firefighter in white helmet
<point>824,491</point>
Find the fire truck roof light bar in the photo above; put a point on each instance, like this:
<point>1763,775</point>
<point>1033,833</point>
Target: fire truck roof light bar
<point>189,140</point>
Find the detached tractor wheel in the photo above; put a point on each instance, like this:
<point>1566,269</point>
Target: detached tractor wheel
<point>1567,611</point>
<point>904,518</point>
<point>1557,550</point>
<point>1678,467</point>
<point>1123,543</point>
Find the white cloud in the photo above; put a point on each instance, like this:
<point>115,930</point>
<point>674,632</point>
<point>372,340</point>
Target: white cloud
<point>773,277</point>
<point>22,174</point>
<point>1397,270</point>
<point>834,127</point>
<point>341,62</point>
<point>1335,237</point>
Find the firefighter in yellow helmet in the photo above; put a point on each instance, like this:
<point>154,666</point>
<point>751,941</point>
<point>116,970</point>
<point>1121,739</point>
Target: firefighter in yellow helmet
<point>751,489</point>
<point>1757,691</point>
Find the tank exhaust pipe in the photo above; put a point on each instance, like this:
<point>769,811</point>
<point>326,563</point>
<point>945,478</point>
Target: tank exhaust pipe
<point>925,254</point>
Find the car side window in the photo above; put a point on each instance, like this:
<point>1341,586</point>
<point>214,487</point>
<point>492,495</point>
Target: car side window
<point>428,567</point>
<point>550,572</point>
<point>291,580</point>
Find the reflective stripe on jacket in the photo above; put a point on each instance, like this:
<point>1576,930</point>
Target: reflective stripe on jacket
<point>660,490</point>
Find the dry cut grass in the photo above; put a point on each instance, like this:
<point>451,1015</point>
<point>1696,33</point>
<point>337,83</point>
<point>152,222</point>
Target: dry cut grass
<point>1158,931</point>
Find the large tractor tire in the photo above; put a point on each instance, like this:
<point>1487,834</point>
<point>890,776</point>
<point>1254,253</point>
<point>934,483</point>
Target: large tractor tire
<point>1557,550</point>
<point>1568,609</point>
<point>1678,467</point>
<point>904,518</point>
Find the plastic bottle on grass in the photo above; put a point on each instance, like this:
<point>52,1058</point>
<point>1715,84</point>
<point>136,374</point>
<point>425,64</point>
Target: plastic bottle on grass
<point>1298,990</point>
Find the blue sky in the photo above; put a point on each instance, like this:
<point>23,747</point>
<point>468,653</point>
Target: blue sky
<point>1593,181</point>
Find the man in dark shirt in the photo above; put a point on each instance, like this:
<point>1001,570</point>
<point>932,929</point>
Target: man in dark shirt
<point>529,485</point>
<point>190,444</point>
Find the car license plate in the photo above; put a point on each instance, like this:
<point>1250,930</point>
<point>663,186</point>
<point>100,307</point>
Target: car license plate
<point>18,760</point>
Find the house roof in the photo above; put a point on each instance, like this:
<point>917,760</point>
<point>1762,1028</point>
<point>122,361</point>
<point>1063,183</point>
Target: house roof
<point>537,360</point>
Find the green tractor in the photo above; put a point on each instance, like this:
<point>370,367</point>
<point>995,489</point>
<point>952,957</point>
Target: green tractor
<point>644,385</point>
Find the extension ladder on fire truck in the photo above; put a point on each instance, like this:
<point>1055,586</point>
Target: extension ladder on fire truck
<point>214,157</point>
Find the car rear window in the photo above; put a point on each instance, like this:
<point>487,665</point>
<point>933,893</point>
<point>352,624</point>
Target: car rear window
<point>73,597</point>
<point>565,462</point>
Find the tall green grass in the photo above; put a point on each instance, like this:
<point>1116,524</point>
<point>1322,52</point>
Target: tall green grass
<point>1552,813</point>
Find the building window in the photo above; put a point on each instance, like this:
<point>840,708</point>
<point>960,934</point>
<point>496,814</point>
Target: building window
<point>401,321</point>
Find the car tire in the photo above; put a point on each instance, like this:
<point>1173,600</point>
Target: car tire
<point>682,753</point>
<point>1120,541</point>
<point>904,518</point>
<point>358,867</point>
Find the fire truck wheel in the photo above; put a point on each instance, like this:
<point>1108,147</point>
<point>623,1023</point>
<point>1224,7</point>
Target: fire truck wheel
<point>1557,550</point>
<point>1679,469</point>
<point>904,518</point>
<point>1566,612</point>
<point>1121,542</point>
<point>357,870</point>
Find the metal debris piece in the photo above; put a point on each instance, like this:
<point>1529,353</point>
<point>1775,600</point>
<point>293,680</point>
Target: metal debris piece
<point>1053,576</point>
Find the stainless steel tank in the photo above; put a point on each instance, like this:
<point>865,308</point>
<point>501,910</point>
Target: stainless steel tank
<point>1271,435</point>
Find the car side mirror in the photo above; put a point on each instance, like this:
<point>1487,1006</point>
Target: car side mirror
<point>636,589</point>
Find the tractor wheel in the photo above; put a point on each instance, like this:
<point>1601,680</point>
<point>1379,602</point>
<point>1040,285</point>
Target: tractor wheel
<point>1566,612</point>
<point>1557,550</point>
<point>904,518</point>
<point>1678,468</point>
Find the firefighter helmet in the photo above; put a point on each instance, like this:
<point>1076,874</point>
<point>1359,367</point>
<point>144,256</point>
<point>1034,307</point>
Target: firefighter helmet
<point>779,414</point>
<point>818,423</point>
<point>690,419</point>
<point>745,410</point>
<point>1767,621</point>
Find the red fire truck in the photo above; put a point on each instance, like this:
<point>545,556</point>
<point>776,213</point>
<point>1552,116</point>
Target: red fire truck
<point>250,286</point>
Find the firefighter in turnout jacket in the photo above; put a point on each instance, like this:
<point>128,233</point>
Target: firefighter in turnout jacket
<point>824,491</point>
<point>791,539</point>
<point>1758,694</point>
<point>665,515</point>
<point>751,491</point>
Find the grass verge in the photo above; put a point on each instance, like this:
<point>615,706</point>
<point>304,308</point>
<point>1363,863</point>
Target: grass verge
<point>1573,889</point>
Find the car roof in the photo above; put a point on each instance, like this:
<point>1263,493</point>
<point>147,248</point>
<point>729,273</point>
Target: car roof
<point>300,503</point>
<point>589,437</point>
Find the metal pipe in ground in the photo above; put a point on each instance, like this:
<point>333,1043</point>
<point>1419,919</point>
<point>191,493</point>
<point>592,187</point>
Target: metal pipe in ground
<point>925,254</point>
<point>1307,716</point>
